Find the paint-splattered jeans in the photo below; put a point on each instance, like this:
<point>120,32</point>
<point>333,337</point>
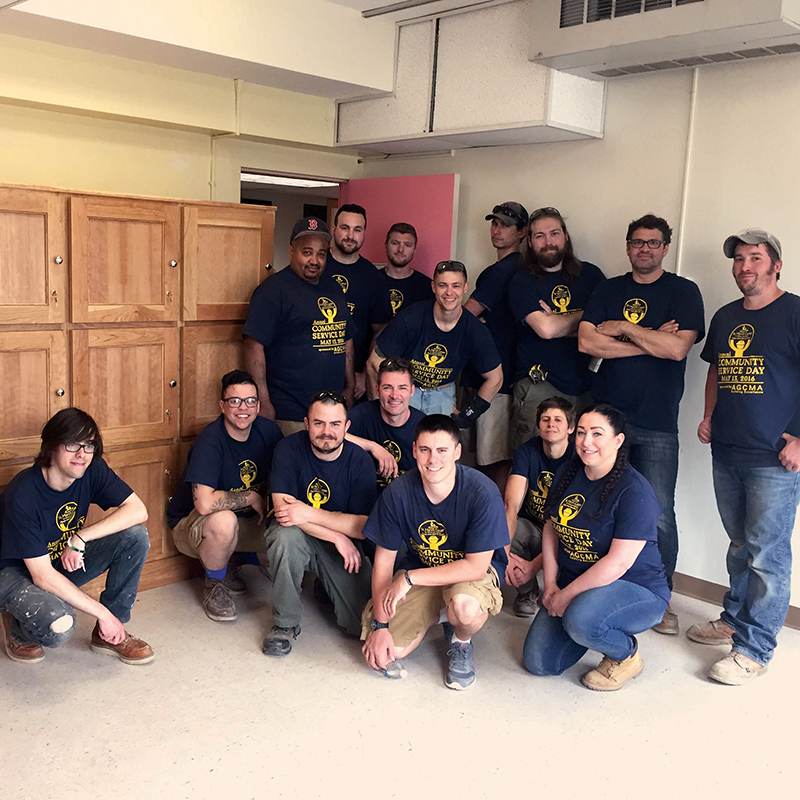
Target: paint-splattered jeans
<point>121,554</point>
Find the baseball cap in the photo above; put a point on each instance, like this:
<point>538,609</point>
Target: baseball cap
<point>751,236</point>
<point>310,226</point>
<point>510,213</point>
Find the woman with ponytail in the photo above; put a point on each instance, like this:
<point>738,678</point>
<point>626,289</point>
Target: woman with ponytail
<point>603,576</point>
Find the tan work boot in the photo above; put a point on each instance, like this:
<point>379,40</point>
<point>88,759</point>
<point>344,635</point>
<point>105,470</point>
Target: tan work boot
<point>610,675</point>
<point>714,632</point>
<point>736,669</point>
<point>21,652</point>
<point>669,624</point>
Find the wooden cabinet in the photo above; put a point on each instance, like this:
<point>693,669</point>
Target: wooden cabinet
<point>209,351</point>
<point>33,257</point>
<point>34,374</point>
<point>226,252</point>
<point>126,378</point>
<point>124,259</point>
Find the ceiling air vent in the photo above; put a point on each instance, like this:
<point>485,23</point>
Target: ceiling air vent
<point>579,12</point>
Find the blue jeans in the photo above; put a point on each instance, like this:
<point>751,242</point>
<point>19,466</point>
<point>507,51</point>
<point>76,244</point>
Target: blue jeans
<point>602,619</point>
<point>121,554</point>
<point>655,455</point>
<point>435,401</point>
<point>757,506</point>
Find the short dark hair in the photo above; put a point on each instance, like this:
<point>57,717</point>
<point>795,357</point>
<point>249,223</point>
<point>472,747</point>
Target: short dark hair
<point>350,208</point>
<point>449,266</point>
<point>570,264</point>
<point>653,223</point>
<point>395,365</point>
<point>328,399</point>
<point>235,377</point>
<point>562,404</point>
<point>68,425</point>
<point>438,423</point>
<point>401,227</point>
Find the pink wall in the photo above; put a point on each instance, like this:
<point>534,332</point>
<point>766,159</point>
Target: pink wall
<point>428,202</point>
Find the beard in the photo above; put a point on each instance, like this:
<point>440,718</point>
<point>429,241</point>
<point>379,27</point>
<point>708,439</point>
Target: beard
<point>550,257</point>
<point>325,445</point>
<point>399,261</point>
<point>348,248</point>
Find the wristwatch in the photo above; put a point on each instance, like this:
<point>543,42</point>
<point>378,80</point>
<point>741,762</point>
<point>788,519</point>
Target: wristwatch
<point>377,626</point>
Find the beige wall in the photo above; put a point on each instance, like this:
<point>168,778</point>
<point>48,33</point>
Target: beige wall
<point>742,167</point>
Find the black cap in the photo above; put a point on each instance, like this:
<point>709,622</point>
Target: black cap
<point>310,226</point>
<point>511,213</point>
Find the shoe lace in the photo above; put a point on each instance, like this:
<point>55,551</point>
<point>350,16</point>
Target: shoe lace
<point>459,655</point>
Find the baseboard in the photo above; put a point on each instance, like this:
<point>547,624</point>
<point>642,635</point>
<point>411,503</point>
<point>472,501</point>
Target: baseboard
<point>713,593</point>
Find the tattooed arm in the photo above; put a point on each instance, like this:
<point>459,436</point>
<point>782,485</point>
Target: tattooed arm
<point>209,501</point>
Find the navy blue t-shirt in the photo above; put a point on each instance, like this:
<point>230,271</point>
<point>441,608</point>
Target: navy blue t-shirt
<point>366,421</point>
<point>225,464</point>
<point>346,485</point>
<point>36,520</point>
<point>646,389</point>
<point>367,300</point>
<point>557,361</point>
<point>471,519</point>
<point>491,291</point>
<point>404,292</point>
<point>438,356</point>
<point>532,464</point>
<point>630,512</point>
<point>757,359</point>
<point>303,327</point>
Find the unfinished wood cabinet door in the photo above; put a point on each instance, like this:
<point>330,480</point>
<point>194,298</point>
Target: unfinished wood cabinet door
<point>225,252</point>
<point>127,379</point>
<point>124,260</point>
<point>208,353</point>
<point>34,374</point>
<point>33,256</point>
<point>151,473</point>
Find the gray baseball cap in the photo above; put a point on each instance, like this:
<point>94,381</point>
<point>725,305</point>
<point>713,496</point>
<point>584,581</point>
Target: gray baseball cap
<point>511,213</point>
<point>751,236</point>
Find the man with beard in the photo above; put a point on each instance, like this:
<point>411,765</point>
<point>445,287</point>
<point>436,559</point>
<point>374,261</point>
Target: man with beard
<point>323,489</point>
<point>299,334</point>
<point>406,285</point>
<point>547,299</point>
<point>366,294</point>
<point>751,421</point>
<point>489,303</point>
<point>643,324</point>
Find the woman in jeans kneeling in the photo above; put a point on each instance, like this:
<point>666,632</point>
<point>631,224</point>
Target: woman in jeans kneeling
<point>603,576</point>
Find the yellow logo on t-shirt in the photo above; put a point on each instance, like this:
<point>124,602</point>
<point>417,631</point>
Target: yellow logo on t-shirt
<point>393,448</point>
<point>634,310</point>
<point>561,298</point>
<point>396,298</point>
<point>318,493</point>
<point>736,372</point>
<point>328,334</point>
<point>247,472</point>
<point>434,535</point>
<point>328,308</point>
<point>65,515</point>
<point>577,542</point>
<point>429,375</point>
<point>67,523</point>
<point>570,507</point>
<point>343,282</point>
<point>534,500</point>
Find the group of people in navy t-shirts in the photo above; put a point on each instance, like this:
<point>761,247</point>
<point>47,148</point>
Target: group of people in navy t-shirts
<point>338,452</point>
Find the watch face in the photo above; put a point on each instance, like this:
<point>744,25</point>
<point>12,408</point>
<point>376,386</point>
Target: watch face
<point>376,626</point>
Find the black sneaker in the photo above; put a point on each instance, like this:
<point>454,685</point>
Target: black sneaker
<point>461,674</point>
<point>279,641</point>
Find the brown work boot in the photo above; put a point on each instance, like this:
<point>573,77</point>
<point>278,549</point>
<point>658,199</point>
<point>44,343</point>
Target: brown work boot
<point>714,632</point>
<point>129,651</point>
<point>610,675</point>
<point>233,581</point>
<point>669,624</point>
<point>217,601</point>
<point>21,652</point>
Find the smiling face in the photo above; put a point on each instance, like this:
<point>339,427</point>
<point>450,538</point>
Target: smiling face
<point>554,427</point>
<point>449,289</point>
<point>327,424</point>
<point>394,393</point>
<point>753,269</point>
<point>436,454</point>
<point>597,444</point>
<point>349,232</point>
<point>307,256</point>
<point>548,241</point>
<point>66,467</point>
<point>239,420</point>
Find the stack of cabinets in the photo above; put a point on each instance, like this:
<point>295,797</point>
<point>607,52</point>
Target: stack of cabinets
<point>132,310</point>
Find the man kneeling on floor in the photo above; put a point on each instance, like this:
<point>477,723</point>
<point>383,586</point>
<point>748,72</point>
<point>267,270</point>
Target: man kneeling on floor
<point>46,553</point>
<point>323,489</point>
<point>452,519</point>
<point>219,505</point>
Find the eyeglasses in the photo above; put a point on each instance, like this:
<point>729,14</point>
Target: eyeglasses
<point>335,396</point>
<point>74,447</point>
<point>653,244</point>
<point>547,211</point>
<point>235,402</point>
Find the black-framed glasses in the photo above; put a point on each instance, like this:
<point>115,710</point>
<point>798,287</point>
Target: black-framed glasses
<point>74,447</point>
<point>235,402</point>
<point>638,244</point>
<point>546,211</point>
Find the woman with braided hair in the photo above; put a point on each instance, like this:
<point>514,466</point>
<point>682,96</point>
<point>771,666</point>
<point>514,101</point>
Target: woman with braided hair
<point>603,576</point>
